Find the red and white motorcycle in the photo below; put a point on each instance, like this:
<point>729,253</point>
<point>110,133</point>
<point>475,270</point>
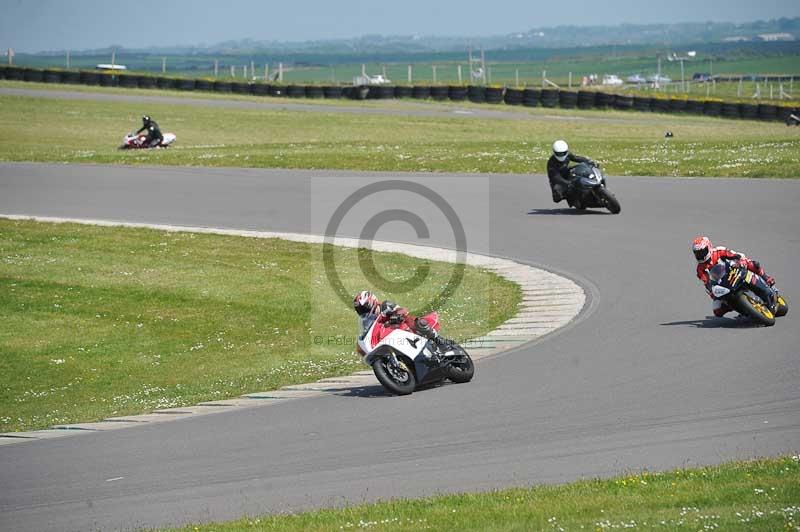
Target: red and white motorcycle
<point>139,142</point>
<point>403,359</point>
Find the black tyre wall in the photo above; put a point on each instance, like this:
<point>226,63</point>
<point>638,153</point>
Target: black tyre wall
<point>587,99</point>
<point>604,100</point>
<point>185,84</point>
<point>14,73</point>
<point>623,102</point>
<point>146,82</point>
<point>52,76</point>
<point>222,86</point>
<point>332,91</point>
<point>767,112</point>
<point>549,98</point>
<point>71,77</point>
<point>403,91</point>
<point>421,92</point>
<point>457,93</point>
<point>531,97</point>
<point>694,107</point>
<point>476,93</point>
<point>568,99</point>
<point>33,74</point>
<point>513,96</point>
<point>494,94</point>
<point>203,85</point>
<point>439,92</point>
<point>314,91</point>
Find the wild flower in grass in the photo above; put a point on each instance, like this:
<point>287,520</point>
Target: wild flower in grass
<point>57,361</point>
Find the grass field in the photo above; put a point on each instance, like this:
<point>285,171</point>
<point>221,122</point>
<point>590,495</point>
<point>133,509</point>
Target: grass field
<point>754,495</point>
<point>99,322</point>
<point>627,143</point>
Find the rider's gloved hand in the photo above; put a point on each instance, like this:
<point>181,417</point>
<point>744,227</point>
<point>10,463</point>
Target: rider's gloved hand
<point>388,308</point>
<point>770,280</point>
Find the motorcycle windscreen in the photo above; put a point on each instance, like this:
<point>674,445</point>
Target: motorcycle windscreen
<point>717,272</point>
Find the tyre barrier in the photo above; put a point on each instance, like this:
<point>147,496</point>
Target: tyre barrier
<point>222,86</point>
<point>457,93</point>
<point>331,91</point>
<point>568,99</point>
<point>587,99</point>
<point>71,77</point>
<point>531,97</point>
<point>439,92</point>
<point>604,100</point>
<point>730,110</point>
<point>238,87</point>
<point>676,105</point>
<point>108,80</point>
<point>296,91</point>
<point>748,111</point>
<point>623,102</point>
<point>146,82</point>
<point>128,81</point>
<point>476,93</point>
<point>382,92</point>
<point>513,96</point>
<point>642,103</point>
<point>549,98</point>
<point>403,91</point>
<point>660,105</point>
<point>185,84</point>
<point>767,112</point>
<point>52,76</point>
<point>14,73</point>
<point>694,107</point>
<point>494,95</point>
<point>421,92</point>
<point>712,108</point>
<point>32,74</point>
<point>203,85</point>
<point>314,91</point>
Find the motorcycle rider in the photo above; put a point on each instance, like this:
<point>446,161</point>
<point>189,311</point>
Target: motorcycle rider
<point>154,136</point>
<point>558,172</point>
<point>369,309</point>
<point>708,256</point>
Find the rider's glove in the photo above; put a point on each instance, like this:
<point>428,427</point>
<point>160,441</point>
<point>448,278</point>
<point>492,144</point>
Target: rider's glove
<point>388,308</point>
<point>770,280</point>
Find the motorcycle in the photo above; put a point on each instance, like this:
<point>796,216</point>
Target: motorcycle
<point>138,142</point>
<point>404,360</point>
<point>588,184</point>
<point>746,292</point>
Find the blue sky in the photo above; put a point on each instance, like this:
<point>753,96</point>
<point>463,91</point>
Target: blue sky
<point>36,25</point>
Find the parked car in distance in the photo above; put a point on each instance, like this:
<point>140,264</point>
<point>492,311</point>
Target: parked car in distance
<point>636,78</point>
<point>701,76</point>
<point>611,79</point>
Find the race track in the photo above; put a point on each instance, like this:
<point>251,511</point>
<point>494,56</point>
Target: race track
<point>643,379</point>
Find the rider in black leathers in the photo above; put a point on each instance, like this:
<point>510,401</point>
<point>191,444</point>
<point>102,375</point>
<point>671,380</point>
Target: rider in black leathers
<point>558,171</point>
<point>154,136</point>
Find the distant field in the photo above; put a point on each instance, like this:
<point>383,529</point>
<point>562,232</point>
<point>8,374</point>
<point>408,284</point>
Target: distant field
<point>627,143</point>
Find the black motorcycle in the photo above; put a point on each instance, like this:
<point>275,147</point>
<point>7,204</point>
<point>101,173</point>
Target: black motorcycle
<point>588,189</point>
<point>747,293</point>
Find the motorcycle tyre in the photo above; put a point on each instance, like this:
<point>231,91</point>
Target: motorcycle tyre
<point>460,375</point>
<point>610,200</point>
<point>386,380</point>
<point>742,304</point>
<point>783,307</point>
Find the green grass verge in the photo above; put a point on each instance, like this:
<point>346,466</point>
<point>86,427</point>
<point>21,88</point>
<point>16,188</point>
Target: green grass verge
<point>752,495</point>
<point>100,321</point>
<point>628,143</point>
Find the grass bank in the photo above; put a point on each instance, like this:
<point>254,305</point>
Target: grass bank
<point>628,143</point>
<point>100,321</point>
<point>752,495</point>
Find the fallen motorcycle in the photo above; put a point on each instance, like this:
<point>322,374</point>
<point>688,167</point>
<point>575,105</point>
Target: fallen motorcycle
<point>139,142</point>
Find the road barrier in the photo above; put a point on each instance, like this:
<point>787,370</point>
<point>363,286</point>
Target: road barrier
<point>492,94</point>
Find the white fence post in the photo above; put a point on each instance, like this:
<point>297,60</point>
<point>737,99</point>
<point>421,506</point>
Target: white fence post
<point>459,75</point>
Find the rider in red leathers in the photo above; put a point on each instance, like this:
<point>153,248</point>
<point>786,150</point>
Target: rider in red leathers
<point>707,256</point>
<point>369,309</point>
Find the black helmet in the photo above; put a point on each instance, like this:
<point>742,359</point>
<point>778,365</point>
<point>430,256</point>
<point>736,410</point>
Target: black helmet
<point>146,120</point>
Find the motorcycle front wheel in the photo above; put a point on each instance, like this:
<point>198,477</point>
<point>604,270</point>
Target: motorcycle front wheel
<point>754,309</point>
<point>396,378</point>
<point>460,367</point>
<point>610,200</point>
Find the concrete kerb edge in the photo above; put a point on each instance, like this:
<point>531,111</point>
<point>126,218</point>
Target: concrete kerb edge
<point>528,277</point>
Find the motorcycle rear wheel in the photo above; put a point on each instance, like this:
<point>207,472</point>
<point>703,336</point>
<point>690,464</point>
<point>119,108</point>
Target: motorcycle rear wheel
<point>397,379</point>
<point>610,200</point>
<point>783,307</point>
<point>460,368</point>
<point>754,309</point>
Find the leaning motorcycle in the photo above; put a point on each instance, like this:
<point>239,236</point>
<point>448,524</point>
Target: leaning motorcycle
<point>139,142</point>
<point>746,292</point>
<point>588,184</point>
<point>404,360</point>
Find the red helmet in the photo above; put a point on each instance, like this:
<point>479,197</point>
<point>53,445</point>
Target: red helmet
<point>702,247</point>
<point>365,302</point>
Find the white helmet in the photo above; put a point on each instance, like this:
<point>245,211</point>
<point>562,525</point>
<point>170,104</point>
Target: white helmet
<point>560,150</point>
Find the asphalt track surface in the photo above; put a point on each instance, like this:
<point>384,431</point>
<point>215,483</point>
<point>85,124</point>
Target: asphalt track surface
<point>643,379</point>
